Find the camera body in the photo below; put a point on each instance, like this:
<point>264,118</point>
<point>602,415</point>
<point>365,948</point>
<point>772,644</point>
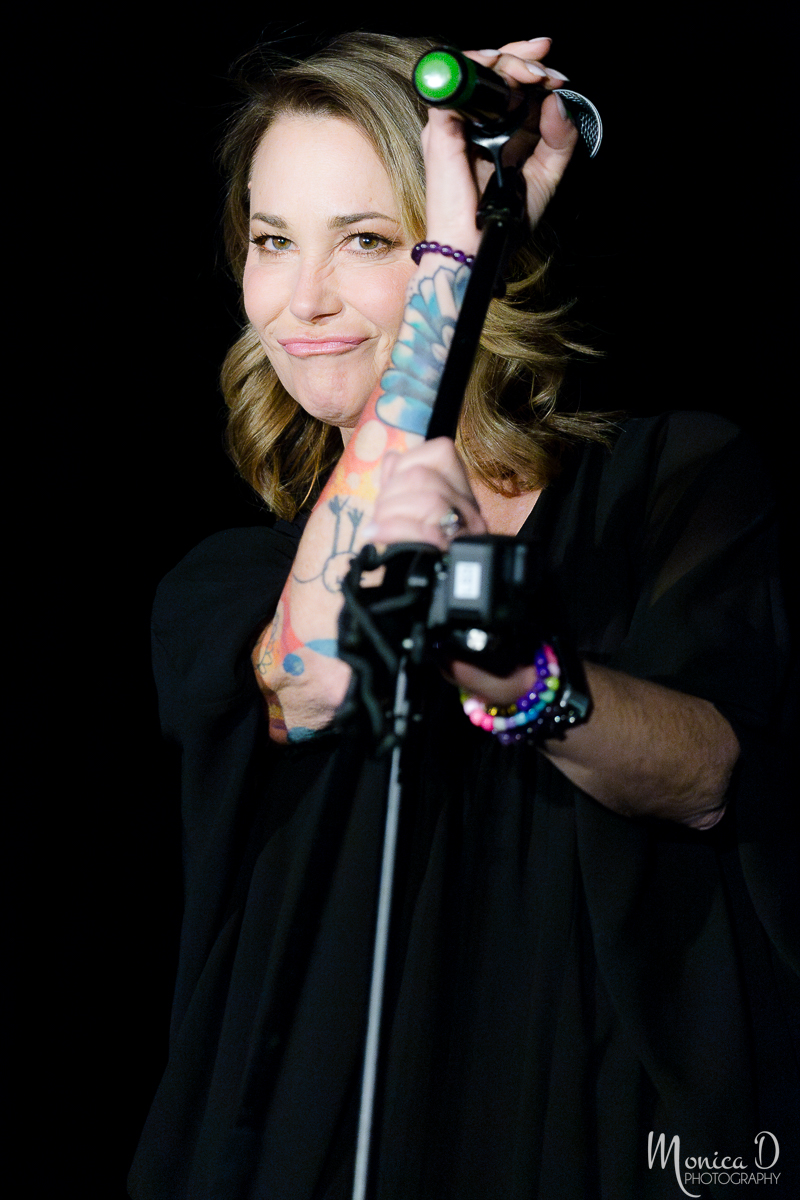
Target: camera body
<point>483,602</point>
<point>485,607</point>
<point>479,603</point>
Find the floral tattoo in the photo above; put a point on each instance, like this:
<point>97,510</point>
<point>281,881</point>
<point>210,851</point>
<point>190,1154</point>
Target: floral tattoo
<point>420,352</point>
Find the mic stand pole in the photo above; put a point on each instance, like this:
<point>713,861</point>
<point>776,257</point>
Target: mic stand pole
<point>501,210</point>
<point>367,1139</point>
<point>500,214</point>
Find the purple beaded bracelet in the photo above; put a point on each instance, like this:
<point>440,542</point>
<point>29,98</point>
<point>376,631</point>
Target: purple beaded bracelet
<point>448,251</point>
<point>508,723</point>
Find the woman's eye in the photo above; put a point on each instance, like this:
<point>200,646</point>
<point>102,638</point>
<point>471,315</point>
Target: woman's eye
<point>270,241</point>
<point>371,242</point>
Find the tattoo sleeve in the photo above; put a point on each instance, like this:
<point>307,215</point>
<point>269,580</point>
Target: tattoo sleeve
<point>295,659</point>
<point>410,385</point>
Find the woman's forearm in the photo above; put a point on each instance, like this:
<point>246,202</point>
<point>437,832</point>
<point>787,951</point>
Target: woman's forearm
<point>295,658</point>
<point>304,683</point>
<point>648,750</point>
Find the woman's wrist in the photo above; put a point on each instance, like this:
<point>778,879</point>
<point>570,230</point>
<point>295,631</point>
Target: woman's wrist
<point>493,689</point>
<point>557,699</point>
<point>466,240</point>
<point>430,246</point>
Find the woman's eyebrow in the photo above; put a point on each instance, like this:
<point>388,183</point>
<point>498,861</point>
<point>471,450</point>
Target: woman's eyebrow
<point>351,218</point>
<point>333,222</point>
<point>270,219</point>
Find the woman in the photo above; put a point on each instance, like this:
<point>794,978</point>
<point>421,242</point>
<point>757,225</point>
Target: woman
<point>567,979</point>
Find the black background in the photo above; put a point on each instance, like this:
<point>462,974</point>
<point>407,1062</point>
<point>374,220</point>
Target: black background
<point>678,240</point>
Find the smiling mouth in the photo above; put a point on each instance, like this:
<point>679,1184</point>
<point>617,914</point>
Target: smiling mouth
<point>305,347</point>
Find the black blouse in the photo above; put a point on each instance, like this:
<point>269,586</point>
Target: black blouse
<point>565,981</point>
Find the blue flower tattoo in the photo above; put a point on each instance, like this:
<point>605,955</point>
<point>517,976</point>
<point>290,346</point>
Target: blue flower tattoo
<point>420,352</point>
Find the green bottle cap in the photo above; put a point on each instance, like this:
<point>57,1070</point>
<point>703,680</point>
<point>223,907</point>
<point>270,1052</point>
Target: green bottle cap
<point>442,77</point>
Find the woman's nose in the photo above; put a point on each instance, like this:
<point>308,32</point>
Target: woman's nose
<point>315,294</point>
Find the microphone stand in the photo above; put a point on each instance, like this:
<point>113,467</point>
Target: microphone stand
<point>501,211</point>
<point>500,214</point>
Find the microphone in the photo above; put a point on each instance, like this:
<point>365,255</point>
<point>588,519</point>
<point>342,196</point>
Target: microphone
<point>446,78</point>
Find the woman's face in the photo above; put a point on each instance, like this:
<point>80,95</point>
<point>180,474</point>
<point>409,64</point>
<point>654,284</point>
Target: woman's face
<point>328,264</point>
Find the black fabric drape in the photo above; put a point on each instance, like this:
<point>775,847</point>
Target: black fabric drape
<point>565,980</point>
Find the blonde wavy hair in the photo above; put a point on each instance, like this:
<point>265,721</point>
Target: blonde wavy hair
<point>510,432</point>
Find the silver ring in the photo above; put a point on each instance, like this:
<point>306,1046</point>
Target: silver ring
<point>452,523</point>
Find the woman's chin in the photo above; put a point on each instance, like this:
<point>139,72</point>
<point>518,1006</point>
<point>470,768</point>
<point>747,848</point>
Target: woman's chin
<point>334,409</point>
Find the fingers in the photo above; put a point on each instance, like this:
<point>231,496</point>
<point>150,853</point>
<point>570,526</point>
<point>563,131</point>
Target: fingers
<point>545,167</point>
<point>455,179</point>
<point>419,492</point>
<point>557,130</point>
<point>520,63</point>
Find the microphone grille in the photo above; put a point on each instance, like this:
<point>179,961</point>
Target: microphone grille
<point>586,117</point>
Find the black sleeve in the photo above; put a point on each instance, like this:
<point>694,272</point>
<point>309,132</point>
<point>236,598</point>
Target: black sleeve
<point>207,615</point>
<point>674,578</point>
<point>709,618</point>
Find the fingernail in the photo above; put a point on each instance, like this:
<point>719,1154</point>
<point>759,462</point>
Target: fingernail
<point>540,39</point>
<point>562,108</point>
<point>557,75</point>
<point>536,70</point>
<point>489,52</point>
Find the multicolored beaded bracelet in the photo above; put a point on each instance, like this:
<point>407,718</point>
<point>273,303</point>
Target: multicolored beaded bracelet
<point>506,721</point>
<point>556,700</point>
<point>448,251</point>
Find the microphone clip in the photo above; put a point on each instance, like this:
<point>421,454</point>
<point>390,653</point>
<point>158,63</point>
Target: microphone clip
<point>507,144</point>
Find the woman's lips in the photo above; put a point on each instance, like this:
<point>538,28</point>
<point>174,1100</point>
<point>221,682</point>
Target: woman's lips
<point>304,347</point>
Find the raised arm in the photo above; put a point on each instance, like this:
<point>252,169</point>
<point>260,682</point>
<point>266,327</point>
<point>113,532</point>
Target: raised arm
<point>295,661</point>
<point>295,658</point>
<point>647,750</point>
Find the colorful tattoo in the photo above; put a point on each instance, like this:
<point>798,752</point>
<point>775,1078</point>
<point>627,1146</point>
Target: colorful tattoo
<point>420,352</point>
<point>279,651</point>
<point>397,414</point>
<point>281,645</point>
<point>337,564</point>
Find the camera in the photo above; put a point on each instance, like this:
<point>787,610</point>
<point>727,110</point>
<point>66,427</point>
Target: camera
<point>484,604</point>
<point>478,602</point>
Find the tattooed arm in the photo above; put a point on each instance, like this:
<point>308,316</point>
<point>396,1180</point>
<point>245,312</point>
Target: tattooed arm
<point>295,658</point>
<point>295,661</point>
